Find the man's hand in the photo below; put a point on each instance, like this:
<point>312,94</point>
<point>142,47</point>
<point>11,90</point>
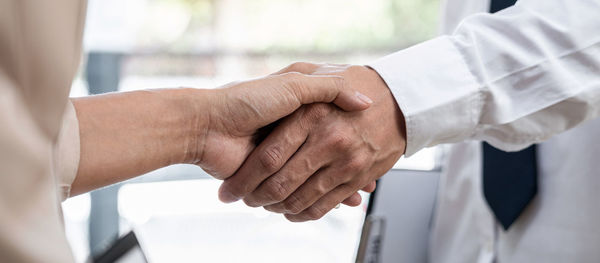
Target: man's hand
<point>320,156</point>
<point>237,111</point>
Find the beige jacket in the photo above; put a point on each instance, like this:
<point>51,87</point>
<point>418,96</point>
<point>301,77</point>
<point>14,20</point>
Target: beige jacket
<point>40,45</point>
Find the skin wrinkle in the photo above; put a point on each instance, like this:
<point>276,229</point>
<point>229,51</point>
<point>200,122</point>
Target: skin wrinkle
<point>258,108</point>
<point>277,189</point>
<point>295,205</point>
<point>355,150</point>
<point>231,110</point>
<point>272,157</point>
<point>291,140</point>
<point>289,86</point>
<point>200,145</point>
<point>312,119</point>
<point>285,179</point>
<point>348,159</point>
<point>279,175</point>
<point>226,118</point>
<point>281,97</point>
<point>192,128</point>
<point>292,205</point>
<point>315,212</point>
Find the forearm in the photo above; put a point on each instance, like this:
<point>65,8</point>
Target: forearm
<point>124,135</point>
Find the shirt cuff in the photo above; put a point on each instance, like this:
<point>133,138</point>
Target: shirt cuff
<point>66,151</point>
<point>436,91</point>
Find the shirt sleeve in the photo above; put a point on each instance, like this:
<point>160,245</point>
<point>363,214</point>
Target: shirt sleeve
<point>512,78</point>
<point>66,151</point>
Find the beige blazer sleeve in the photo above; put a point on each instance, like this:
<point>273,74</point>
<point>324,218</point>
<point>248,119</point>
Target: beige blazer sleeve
<point>66,152</point>
<point>40,43</point>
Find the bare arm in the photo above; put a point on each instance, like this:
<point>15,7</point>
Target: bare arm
<point>123,135</point>
<point>127,134</point>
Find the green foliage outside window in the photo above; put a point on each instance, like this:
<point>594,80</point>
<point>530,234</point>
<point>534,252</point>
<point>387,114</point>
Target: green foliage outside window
<point>308,25</point>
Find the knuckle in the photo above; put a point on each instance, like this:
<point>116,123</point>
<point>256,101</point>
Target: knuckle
<point>298,66</point>
<point>271,159</point>
<point>339,140</point>
<point>315,213</point>
<point>324,184</point>
<point>293,204</point>
<point>341,83</point>
<point>357,163</point>
<point>275,190</point>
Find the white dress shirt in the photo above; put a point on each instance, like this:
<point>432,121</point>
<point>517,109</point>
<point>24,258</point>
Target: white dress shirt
<point>521,76</point>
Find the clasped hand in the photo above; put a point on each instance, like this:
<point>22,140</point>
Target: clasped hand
<point>316,157</point>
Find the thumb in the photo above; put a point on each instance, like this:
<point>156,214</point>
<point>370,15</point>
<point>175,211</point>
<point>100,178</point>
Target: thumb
<point>257,103</point>
<point>309,89</point>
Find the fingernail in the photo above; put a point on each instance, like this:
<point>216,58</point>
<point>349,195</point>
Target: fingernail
<point>363,97</point>
<point>227,197</point>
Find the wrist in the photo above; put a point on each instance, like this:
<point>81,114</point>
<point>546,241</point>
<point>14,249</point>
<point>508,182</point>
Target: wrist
<point>192,128</point>
<point>383,96</point>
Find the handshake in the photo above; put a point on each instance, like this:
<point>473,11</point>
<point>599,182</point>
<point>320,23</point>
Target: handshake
<point>298,142</point>
<point>277,142</point>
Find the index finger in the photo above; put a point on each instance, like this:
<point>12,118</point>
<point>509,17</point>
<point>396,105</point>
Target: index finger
<point>265,160</point>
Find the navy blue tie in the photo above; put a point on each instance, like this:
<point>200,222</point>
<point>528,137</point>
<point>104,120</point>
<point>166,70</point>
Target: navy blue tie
<point>509,179</point>
<point>497,5</point>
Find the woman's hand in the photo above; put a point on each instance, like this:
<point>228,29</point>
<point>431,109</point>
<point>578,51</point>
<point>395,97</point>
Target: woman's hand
<point>236,112</point>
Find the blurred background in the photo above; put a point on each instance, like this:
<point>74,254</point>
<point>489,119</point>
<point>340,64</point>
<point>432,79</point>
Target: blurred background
<point>141,44</point>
